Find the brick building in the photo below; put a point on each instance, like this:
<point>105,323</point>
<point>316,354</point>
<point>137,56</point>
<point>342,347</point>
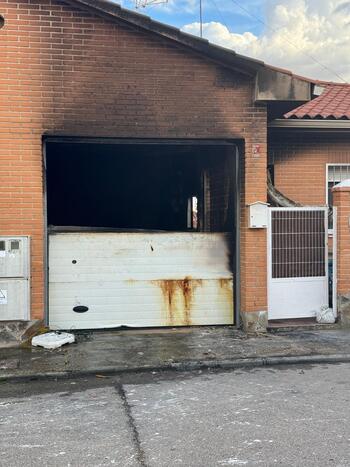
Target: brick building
<point>309,146</point>
<point>130,152</point>
<point>309,155</point>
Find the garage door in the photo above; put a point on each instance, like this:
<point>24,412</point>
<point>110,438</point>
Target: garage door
<point>104,280</point>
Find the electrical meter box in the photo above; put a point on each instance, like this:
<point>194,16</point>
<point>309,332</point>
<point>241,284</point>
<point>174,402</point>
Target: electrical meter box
<point>258,215</point>
<point>14,278</point>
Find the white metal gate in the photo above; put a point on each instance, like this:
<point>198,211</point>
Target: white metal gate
<point>297,261</point>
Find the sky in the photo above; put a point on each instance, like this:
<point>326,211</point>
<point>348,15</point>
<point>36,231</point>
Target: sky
<point>309,37</point>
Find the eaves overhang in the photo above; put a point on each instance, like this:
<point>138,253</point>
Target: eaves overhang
<point>273,85</point>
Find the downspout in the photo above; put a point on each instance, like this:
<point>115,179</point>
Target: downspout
<point>237,237</point>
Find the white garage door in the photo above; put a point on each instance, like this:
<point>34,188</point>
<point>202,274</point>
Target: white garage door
<point>101,280</point>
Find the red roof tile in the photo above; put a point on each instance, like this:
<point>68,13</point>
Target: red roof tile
<point>333,103</point>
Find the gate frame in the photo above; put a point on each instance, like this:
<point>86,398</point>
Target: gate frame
<point>334,236</point>
<point>269,249</point>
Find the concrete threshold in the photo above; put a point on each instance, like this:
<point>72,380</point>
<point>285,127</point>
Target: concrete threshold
<point>300,324</point>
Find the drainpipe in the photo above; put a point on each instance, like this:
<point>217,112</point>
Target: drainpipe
<point>237,240</point>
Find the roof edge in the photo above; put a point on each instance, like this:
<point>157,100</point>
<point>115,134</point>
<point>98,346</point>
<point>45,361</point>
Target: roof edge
<point>309,124</point>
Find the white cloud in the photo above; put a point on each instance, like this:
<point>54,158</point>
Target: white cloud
<point>296,31</point>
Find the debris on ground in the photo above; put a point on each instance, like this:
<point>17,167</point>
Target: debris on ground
<point>53,340</point>
<point>325,315</point>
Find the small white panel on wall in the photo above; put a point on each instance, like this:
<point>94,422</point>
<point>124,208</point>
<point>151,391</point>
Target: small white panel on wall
<point>14,278</point>
<point>258,215</point>
<point>14,257</point>
<point>14,299</point>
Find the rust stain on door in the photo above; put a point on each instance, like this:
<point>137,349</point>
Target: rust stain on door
<point>178,299</point>
<point>226,290</point>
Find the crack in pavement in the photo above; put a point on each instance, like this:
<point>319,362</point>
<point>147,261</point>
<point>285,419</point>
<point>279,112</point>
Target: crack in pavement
<point>132,425</point>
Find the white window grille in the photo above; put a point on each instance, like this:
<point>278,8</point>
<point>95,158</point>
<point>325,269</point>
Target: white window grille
<point>298,243</point>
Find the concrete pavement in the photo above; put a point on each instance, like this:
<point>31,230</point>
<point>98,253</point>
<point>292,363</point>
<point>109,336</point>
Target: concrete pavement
<point>181,349</point>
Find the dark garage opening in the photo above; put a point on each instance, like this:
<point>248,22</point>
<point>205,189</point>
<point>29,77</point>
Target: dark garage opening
<point>154,187</point>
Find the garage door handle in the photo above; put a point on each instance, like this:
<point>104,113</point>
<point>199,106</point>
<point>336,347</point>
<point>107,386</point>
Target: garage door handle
<point>80,309</point>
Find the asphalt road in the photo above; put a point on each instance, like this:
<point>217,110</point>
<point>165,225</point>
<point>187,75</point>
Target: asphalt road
<point>289,416</point>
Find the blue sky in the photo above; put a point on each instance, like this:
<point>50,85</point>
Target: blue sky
<point>182,12</point>
<point>309,37</point>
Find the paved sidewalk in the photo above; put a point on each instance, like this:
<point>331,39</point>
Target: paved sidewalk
<point>181,349</point>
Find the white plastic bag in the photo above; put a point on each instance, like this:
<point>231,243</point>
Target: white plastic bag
<point>53,340</point>
<point>325,315</point>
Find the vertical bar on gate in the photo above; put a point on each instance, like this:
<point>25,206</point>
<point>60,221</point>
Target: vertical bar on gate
<point>299,234</point>
<point>319,269</point>
<point>284,229</point>
<point>293,258</point>
<point>288,244</point>
<point>303,230</point>
<point>319,226</point>
<point>286,223</point>
<point>334,266</point>
<point>290,229</point>
<point>276,242</point>
<point>314,241</point>
<point>294,237</point>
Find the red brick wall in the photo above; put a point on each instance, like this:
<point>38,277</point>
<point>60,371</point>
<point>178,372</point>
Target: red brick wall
<point>341,199</point>
<point>300,164</point>
<point>65,71</point>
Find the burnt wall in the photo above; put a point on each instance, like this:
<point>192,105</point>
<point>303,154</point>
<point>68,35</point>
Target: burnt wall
<point>67,71</point>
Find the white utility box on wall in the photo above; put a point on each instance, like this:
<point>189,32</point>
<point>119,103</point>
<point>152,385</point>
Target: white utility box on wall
<point>14,278</point>
<point>258,215</point>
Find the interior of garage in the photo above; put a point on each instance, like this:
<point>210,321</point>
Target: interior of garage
<point>148,187</point>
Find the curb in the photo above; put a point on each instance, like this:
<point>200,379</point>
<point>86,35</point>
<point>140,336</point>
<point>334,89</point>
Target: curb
<point>247,363</point>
